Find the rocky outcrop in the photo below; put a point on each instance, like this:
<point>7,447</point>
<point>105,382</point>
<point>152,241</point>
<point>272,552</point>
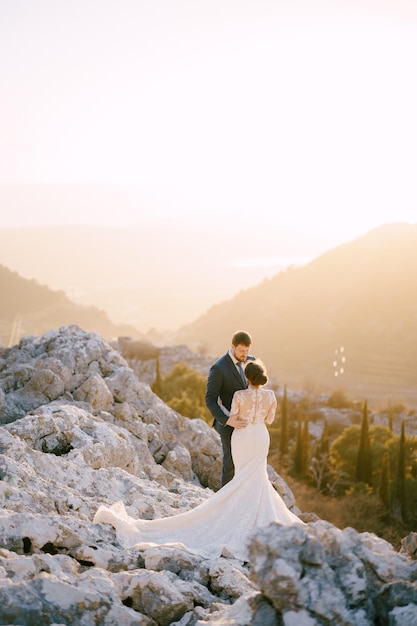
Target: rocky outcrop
<point>80,429</point>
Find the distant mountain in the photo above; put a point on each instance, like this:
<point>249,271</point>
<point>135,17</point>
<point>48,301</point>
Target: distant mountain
<point>29,308</point>
<point>347,319</point>
<point>154,275</point>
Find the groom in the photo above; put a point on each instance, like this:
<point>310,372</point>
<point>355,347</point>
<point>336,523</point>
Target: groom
<point>225,377</point>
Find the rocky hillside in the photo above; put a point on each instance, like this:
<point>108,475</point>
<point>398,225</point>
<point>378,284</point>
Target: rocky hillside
<point>27,307</point>
<point>80,429</point>
<point>360,297</point>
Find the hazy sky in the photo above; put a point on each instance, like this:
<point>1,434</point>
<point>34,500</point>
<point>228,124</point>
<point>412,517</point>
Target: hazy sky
<point>242,115</point>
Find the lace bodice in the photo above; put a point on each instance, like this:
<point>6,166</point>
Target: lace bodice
<point>257,405</point>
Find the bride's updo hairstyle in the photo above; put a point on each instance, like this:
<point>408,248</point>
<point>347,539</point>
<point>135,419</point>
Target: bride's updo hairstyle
<point>255,372</point>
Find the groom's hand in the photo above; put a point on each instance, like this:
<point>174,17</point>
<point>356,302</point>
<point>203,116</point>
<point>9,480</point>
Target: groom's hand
<point>236,422</point>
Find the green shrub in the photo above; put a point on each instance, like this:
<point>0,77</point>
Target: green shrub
<point>184,390</point>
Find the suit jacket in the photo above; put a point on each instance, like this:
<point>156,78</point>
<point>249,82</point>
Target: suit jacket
<point>223,380</point>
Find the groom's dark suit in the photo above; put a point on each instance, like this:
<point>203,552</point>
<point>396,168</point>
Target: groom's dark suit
<point>223,380</point>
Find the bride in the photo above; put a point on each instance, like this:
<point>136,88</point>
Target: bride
<point>222,524</point>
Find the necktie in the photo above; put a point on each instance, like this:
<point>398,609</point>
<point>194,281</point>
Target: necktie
<point>241,372</point>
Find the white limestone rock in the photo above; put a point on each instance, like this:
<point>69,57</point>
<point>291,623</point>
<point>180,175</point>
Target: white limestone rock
<point>79,429</point>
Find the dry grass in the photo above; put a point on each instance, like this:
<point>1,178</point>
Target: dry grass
<point>360,511</point>
<point>309,500</point>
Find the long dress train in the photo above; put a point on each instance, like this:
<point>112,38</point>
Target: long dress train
<point>221,524</point>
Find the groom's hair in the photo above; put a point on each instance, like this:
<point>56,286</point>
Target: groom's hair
<point>241,338</point>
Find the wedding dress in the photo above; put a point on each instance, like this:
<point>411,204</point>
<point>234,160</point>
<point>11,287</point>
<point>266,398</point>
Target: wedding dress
<point>223,522</point>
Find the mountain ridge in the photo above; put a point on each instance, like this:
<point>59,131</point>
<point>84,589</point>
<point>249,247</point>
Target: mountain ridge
<point>151,275</point>
<point>360,296</point>
<point>28,307</point>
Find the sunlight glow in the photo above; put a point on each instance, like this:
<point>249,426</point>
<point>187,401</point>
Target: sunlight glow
<point>244,136</point>
<point>271,262</point>
<point>305,112</point>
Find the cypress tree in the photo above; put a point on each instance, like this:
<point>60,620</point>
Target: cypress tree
<point>305,449</point>
<point>320,464</point>
<point>390,420</point>
<point>364,458</point>
<point>401,474</point>
<point>298,456</point>
<point>283,442</point>
<point>384,481</point>
<point>157,387</point>
<point>324,440</point>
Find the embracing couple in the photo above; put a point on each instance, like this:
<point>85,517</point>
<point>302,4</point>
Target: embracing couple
<point>222,523</point>
<point>226,376</point>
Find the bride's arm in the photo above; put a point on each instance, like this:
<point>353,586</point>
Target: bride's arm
<point>223,408</point>
<point>270,416</point>
<point>236,419</point>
